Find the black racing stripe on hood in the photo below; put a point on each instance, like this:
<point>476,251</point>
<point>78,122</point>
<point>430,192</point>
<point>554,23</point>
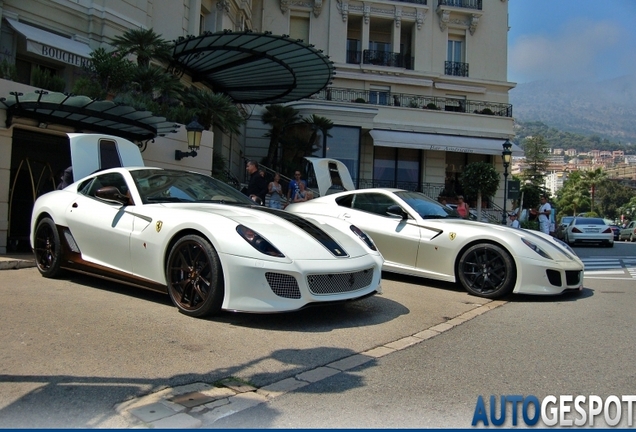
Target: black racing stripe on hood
<point>311,229</point>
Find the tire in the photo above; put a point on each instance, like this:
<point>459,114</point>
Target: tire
<point>47,248</point>
<point>631,238</point>
<point>487,270</point>
<point>194,278</point>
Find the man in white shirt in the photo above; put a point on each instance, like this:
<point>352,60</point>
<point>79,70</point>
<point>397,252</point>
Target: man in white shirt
<point>514,222</point>
<point>544,215</point>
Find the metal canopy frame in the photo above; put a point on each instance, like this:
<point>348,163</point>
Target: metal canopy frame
<point>82,112</point>
<point>252,67</point>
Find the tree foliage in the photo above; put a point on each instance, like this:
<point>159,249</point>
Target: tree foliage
<point>145,86</point>
<point>536,151</point>
<point>479,179</point>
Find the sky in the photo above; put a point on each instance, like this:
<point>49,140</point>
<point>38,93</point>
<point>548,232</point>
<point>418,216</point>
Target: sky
<point>574,40</point>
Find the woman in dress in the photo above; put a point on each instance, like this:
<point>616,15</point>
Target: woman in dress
<point>462,207</point>
<point>275,191</point>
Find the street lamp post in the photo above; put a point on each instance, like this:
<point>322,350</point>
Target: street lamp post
<point>506,155</point>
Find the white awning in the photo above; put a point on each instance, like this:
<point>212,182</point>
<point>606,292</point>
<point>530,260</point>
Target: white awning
<point>52,46</point>
<point>452,143</point>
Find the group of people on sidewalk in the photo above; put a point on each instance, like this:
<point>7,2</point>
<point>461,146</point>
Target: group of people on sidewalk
<point>542,214</point>
<point>258,188</point>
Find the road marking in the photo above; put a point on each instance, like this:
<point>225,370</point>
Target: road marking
<point>601,268</point>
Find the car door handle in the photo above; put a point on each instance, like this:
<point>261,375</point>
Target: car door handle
<point>346,215</point>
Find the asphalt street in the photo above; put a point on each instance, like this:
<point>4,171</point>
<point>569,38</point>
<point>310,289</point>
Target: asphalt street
<point>74,350</point>
<point>575,345</point>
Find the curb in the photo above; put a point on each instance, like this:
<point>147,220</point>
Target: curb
<point>200,404</point>
<point>9,263</point>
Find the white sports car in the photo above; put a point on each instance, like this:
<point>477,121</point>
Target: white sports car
<point>418,236</point>
<point>194,237</point>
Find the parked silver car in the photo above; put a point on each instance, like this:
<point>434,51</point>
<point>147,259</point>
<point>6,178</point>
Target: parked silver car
<point>629,232</point>
<point>589,230</point>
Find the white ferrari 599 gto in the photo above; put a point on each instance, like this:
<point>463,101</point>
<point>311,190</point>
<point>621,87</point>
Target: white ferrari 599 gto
<point>201,241</point>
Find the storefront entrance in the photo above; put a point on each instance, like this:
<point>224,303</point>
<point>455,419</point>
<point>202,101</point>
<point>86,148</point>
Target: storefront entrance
<point>37,163</point>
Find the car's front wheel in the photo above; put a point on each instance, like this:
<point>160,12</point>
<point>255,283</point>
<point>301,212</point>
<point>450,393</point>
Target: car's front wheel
<point>487,270</point>
<point>47,248</point>
<point>193,273</point>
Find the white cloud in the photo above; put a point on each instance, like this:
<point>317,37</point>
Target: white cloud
<point>582,50</point>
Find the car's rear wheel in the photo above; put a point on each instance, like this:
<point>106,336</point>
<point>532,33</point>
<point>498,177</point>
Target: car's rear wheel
<point>194,278</point>
<point>47,248</point>
<point>487,270</point>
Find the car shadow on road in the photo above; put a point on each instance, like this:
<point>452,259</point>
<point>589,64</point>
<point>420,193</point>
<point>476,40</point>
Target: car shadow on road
<point>315,318</point>
<point>569,296</point>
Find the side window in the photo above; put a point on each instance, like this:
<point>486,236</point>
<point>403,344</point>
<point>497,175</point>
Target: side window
<point>110,179</point>
<point>372,203</point>
<point>345,201</point>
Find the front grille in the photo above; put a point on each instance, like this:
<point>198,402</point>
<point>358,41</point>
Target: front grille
<point>573,277</point>
<point>334,283</point>
<point>283,285</point>
<point>554,277</point>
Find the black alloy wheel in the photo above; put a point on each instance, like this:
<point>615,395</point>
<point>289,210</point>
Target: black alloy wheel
<point>47,248</point>
<point>194,278</point>
<point>487,270</point>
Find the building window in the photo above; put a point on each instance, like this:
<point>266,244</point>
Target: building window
<point>396,167</point>
<point>354,54</point>
<point>343,144</point>
<point>455,55</point>
<point>379,95</point>
<point>299,27</point>
<point>455,104</point>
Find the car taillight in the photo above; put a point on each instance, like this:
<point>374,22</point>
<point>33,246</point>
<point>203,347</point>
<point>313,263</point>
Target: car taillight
<point>608,230</point>
<point>576,230</point>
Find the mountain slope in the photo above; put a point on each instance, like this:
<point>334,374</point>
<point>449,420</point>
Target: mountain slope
<point>606,109</point>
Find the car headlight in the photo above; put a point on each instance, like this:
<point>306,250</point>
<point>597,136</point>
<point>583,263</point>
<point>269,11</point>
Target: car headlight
<point>364,237</point>
<point>567,248</point>
<point>258,242</point>
<point>536,248</point>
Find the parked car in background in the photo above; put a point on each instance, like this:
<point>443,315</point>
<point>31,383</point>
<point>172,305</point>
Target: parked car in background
<point>629,232</point>
<point>589,230</point>
<point>560,231</point>
<point>617,231</point>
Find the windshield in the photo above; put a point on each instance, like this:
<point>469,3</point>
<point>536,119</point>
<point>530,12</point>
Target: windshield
<point>426,207</point>
<point>161,186</point>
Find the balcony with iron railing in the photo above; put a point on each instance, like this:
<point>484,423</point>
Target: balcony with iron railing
<point>435,103</point>
<point>468,4</point>
<point>456,68</point>
<point>380,58</point>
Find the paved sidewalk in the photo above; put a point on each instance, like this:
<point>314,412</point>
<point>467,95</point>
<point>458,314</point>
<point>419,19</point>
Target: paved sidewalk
<point>16,261</point>
<point>200,404</point>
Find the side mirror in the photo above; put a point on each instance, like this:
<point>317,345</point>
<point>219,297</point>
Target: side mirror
<point>396,210</point>
<point>112,194</point>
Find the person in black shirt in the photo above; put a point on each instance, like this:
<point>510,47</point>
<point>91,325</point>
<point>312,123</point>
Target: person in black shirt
<point>257,185</point>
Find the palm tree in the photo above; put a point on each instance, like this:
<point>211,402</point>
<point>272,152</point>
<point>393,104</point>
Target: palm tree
<point>317,124</point>
<point>280,117</point>
<point>212,109</point>
<point>592,179</point>
<point>145,44</point>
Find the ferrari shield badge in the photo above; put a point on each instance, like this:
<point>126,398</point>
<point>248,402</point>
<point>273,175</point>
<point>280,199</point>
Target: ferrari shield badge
<point>452,235</point>
<point>158,226</point>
